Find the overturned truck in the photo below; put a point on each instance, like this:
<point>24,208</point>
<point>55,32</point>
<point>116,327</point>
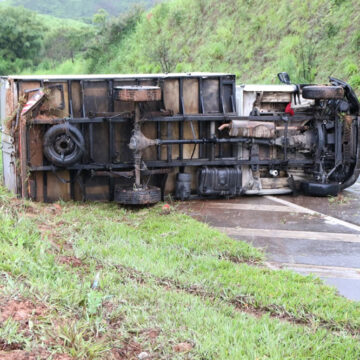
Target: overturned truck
<point>134,138</point>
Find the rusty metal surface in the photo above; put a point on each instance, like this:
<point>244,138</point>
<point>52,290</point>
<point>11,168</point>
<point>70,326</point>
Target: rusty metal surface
<point>23,157</point>
<point>255,129</point>
<point>138,93</point>
<point>182,129</point>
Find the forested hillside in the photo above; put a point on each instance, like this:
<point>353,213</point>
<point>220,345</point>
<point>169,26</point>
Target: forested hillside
<point>28,40</point>
<point>255,39</point>
<point>79,8</point>
<point>310,39</point>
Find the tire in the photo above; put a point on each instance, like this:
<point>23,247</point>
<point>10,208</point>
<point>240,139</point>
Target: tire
<point>318,92</point>
<point>145,196</point>
<point>317,189</point>
<point>64,145</point>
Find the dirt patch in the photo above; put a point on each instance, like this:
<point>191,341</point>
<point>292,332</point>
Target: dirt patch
<point>39,354</point>
<point>30,209</point>
<point>45,228</point>
<point>183,347</point>
<point>69,260</point>
<point>115,320</point>
<point>4,346</point>
<point>54,209</point>
<point>49,234</point>
<point>151,334</point>
<point>20,204</point>
<point>129,351</point>
<point>62,357</point>
<point>18,355</point>
<point>20,311</point>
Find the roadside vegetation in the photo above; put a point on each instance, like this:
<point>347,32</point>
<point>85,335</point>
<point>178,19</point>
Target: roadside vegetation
<point>95,281</point>
<point>78,9</point>
<point>29,40</point>
<point>251,38</point>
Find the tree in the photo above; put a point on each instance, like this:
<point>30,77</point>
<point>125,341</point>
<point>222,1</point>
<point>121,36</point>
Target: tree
<point>109,30</point>
<point>306,55</point>
<point>66,42</point>
<point>21,37</point>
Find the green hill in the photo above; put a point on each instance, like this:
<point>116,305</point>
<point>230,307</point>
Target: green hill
<point>310,39</point>
<point>255,39</point>
<point>28,39</point>
<point>78,8</point>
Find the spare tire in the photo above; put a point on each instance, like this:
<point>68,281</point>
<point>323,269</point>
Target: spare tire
<point>64,145</point>
<point>142,196</point>
<point>322,92</point>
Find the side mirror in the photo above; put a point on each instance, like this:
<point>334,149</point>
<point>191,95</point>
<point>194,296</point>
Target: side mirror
<point>284,78</point>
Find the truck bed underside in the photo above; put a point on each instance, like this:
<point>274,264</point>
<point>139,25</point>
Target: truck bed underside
<point>134,138</point>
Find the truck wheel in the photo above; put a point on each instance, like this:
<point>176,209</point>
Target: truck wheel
<point>144,196</point>
<point>322,92</point>
<point>64,145</point>
<point>317,189</point>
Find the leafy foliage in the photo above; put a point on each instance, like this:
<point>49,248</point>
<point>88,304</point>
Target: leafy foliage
<point>78,8</point>
<point>109,31</point>
<point>28,39</point>
<point>253,39</point>
<point>21,35</point>
<point>64,43</point>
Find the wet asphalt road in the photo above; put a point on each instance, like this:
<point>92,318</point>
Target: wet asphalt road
<point>306,234</point>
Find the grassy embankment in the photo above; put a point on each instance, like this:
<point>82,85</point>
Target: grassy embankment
<point>253,39</point>
<point>78,9</point>
<point>168,285</point>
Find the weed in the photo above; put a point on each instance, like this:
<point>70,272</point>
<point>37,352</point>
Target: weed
<point>338,200</point>
<point>79,343</point>
<point>10,335</point>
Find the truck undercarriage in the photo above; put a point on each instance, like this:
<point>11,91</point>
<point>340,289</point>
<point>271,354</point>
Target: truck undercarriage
<point>134,138</point>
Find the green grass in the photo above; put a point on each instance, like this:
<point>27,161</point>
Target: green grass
<point>66,67</point>
<point>194,254</point>
<point>163,273</point>
<point>77,9</point>
<point>252,39</point>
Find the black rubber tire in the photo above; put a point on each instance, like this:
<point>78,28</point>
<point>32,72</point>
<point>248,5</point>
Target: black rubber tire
<point>145,196</point>
<point>73,139</point>
<point>318,92</point>
<point>317,189</point>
